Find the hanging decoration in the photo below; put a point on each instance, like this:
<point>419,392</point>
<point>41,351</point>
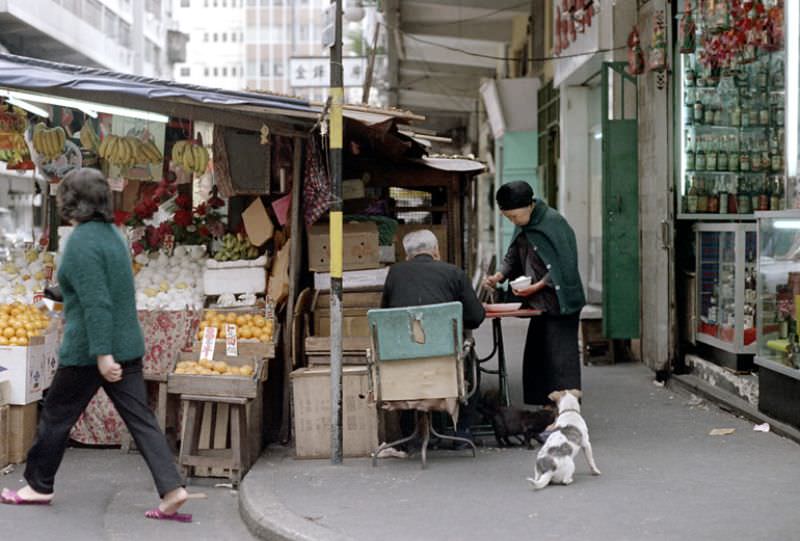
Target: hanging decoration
<point>658,46</point>
<point>635,55</point>
<point>687,31</point>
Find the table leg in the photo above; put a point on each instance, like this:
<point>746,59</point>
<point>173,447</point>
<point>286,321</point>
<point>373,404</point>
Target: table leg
<point>502,375</point>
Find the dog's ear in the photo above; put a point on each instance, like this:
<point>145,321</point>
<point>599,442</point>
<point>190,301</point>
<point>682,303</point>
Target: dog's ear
<point>577,393</point>
<point>555,396</point>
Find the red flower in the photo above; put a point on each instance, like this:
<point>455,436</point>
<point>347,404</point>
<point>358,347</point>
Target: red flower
<point>153,236</point>
<point>145,209</point>
<point>183,202</point>
<point>204,232</point>
<point>121,217</point>
<point>183,217</point>
<point>137,248</point>
<point>201,209</point>
<point>164,229</point>
<point>216,202</point>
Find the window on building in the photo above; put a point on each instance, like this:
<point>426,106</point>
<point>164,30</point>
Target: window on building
<point>206,72</point>
<point>205,3</point>
<point>224,37</point>
<point>216,37</point>
<point>93,13</point>
<point>215,3</point>
<point>110,24</point>
<point>185,3</point>
<point>277,69</point>
<point>233,37</point>
<point>124,36</point>
<point>186,71</point>
<point>205,36</point>
<point>216,72</point>
<point>263,70</point>
<point>233,71</point>
<point>224,3</point>
<point>225,72</point>
<point>303,33</point>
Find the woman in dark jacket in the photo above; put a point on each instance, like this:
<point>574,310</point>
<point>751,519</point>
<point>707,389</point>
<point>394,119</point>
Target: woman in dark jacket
<point>102,346</point>
<point>543,247</point>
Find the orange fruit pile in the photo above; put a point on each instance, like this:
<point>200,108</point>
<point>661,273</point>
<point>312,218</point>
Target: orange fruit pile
<point>20,322</point>
<point>204,367</point>
<point>248,326</point>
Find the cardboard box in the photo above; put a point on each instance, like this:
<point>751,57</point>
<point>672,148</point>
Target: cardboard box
<point>359,247</point>
<point>26,370</point>
<point>22,421</point>
<point>355,305</point>
<point>50,361</point>
<point>312,413</point>
<point>440,231</point>
<point>353,279</point>
<point>4,436</point>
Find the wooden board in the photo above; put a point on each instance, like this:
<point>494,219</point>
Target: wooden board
<point>359,247</point>
<point>4,436</point>
<point>322,344</point>
<point>417,379</point>
<point>234,386</point>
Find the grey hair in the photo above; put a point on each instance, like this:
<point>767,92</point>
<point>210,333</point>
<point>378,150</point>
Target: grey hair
<point>420,242</point>
<point>84,195</point>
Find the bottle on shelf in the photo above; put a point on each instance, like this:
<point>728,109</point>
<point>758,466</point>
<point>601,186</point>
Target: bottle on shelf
<point>723,196</point>
<point>722,154</point>
<point>700,155</point>
<point>733,197</point>
<point>698,111</point>
<point>691,195</point>
<point>689,158</point>
<point>713,198</point>
<point>733,153</point>
<point>702,196</point>
<point>711,153</point>
<point>755,193</point>
<point>777,75</point>
<point>743,197</point>
<point>764,196</point>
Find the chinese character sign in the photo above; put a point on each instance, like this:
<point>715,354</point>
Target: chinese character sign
<point>314,72</point>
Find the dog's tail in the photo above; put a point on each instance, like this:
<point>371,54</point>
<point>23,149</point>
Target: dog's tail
<point>540,480</point>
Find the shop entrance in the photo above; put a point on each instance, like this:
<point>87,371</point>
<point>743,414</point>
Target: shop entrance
<point>621,275</point>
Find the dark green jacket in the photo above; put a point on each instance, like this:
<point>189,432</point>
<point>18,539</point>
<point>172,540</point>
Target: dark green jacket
<point>554,241</point>
<point>96,280</point>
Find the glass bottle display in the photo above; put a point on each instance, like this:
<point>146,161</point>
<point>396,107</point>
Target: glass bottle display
<point>726,286</point>
<point>733,114</point>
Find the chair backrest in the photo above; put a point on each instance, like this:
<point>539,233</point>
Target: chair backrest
<point>417,352</point>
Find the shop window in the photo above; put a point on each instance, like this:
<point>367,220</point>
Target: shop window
<point>224,37</point>
<point>277,69</point>
<point>205,36</point>
<point>215,37</point>
<point>412,205</point>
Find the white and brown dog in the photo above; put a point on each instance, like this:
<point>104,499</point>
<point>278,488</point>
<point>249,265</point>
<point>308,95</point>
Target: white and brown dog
<point>555,462</point>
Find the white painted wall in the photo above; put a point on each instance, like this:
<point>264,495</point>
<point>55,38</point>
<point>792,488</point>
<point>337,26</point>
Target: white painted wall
<point>573,181</point>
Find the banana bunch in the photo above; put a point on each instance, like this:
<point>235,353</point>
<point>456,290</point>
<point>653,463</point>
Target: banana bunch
<point>48,142</point>
<point>190,156</point>
<point>89,139</point>
<point>235,247</point>
<point>128,150</point>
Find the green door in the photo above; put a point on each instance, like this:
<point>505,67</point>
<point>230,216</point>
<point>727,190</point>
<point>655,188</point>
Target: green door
<point>621,274</point>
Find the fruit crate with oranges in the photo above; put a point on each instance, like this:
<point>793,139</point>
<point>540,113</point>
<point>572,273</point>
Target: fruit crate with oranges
<point>230,376</point>
<point>19,323</point>
<point>256,334</point>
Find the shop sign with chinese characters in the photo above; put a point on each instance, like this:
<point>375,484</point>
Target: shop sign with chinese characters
<point>314,72</point>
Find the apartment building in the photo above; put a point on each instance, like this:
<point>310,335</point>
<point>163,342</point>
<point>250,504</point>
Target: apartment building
<point>250,44</point>
<point>131,36</point>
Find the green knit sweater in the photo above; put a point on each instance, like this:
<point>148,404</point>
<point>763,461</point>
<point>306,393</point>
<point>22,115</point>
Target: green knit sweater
<point>554,239</point>
<point>96,281</point>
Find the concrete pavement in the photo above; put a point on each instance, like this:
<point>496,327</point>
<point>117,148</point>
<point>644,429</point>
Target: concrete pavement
<point>102,494</point>
<point>664,478</point>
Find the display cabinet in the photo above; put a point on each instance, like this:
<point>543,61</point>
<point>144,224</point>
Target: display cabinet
<point>732,120</point>
<point>726,290</point>
<point>778,314</point>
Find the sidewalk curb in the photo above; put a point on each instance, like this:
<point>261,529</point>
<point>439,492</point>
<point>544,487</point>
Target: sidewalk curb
<point>733,403</point>
<point>267,518</point>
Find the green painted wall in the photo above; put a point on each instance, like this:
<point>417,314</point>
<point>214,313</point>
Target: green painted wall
<point>520,162</point>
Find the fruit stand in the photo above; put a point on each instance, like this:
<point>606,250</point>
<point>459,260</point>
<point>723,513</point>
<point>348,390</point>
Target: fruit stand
<point>177,165</point>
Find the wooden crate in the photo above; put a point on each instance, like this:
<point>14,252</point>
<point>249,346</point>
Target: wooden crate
<point>312,413</point>
<point>354,350</point>
<point>22,421</point>
<point>355,304</point>
<point>239,386</point>
<point>417,379</point>
<point>359,247</point>
<point>4,436</point>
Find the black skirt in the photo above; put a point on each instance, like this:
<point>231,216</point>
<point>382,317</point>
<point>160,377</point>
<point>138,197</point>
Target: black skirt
<point>551,360</point>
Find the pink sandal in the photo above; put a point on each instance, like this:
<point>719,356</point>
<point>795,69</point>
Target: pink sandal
<point>158,514</point>
<point>10,497</point>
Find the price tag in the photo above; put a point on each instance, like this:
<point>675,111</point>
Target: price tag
<point>231,341</point>
<point>209,341</point>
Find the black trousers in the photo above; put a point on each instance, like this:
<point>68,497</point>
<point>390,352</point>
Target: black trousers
<point>72,389</point>
<point>551,361</point>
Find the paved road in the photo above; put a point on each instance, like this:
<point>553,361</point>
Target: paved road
<point>664,478</point>
<point>103,494</point>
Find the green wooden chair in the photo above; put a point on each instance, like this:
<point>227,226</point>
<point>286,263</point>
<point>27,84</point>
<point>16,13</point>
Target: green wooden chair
<point>417,363</point>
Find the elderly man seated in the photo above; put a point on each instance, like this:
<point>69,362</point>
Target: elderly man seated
<point>424,279</point>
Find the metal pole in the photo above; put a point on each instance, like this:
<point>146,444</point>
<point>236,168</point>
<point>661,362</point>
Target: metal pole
<point>337,98</point>
<point>370,65</point>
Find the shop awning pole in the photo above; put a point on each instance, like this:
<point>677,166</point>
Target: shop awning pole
<point>337,98</point>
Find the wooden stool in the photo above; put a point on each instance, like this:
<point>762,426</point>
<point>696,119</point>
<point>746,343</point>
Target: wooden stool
<point>235,459</point>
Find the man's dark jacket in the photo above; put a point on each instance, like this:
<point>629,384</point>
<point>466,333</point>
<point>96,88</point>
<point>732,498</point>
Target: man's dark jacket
<point>423,280</point>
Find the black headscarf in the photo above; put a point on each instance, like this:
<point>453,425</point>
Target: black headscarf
<point>514,195</point>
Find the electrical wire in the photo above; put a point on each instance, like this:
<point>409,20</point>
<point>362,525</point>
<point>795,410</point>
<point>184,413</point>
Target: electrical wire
<point>477,17</point>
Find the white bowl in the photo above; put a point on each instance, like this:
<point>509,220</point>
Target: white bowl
<point>521,282</point>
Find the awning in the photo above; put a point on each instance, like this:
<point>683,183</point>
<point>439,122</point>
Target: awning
<point>167,97</point>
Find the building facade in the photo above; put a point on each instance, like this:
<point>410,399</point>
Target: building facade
<point>130,36</point>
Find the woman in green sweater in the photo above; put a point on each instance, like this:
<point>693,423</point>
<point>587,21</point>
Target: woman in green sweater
<point>102,346</point>
<point>543,247</point>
